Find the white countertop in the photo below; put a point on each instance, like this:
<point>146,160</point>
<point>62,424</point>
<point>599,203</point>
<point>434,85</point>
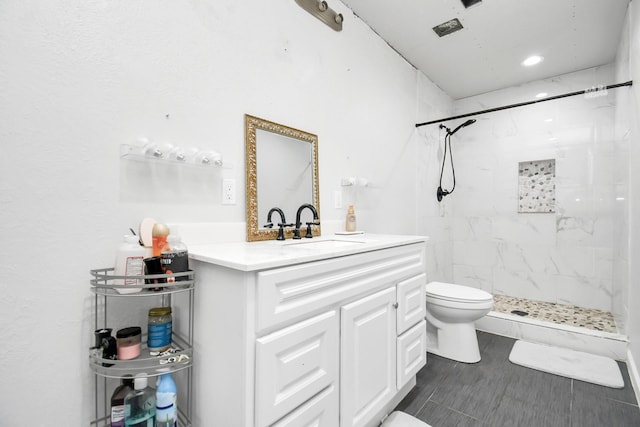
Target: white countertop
<point>252,256</point>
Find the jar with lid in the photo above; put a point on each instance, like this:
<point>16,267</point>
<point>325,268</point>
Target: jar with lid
<point>160,329</point>
<point>128,341</point>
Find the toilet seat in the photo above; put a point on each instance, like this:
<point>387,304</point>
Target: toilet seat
<point>457,293</point>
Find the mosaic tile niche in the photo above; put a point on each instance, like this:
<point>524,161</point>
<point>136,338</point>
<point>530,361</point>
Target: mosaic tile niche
<point>537,186</point>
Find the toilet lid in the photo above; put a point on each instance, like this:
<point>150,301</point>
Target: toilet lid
<point>452,292</point>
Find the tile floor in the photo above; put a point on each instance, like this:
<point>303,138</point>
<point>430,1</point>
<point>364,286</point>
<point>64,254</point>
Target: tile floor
<point>557,313</point>
<point>496,393</point>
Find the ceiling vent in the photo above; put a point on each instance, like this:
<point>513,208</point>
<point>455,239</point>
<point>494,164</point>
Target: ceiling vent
<point>469,3</point>
<point>448,27</point>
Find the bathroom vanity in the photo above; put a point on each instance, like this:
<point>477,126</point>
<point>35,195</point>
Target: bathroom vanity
<point>328,331</point>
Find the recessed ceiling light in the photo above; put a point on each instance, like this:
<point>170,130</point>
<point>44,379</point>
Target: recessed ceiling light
<point>532,60</point>
<point>542,95</point>
<point>548,120</point>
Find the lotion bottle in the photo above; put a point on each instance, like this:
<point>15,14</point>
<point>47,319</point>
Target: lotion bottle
<point>166,402</point>
<point>350,224</point>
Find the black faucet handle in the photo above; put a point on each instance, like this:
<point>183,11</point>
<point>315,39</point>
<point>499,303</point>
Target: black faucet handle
<point>281,227</point>
<point>268,225</point>
<point>309,234</point>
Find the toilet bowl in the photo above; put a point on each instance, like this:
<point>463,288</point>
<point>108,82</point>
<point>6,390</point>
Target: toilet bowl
<point>451,314</point>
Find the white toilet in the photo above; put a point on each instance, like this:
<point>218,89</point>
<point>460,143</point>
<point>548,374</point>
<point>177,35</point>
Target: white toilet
<point>451,314</point>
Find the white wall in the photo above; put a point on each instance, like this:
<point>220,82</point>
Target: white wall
<point>78,79</point>
<point>628,62</point>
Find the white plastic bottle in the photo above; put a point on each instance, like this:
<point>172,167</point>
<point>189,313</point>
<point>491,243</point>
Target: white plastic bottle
<point>129,262</point>
<point>166,402</point>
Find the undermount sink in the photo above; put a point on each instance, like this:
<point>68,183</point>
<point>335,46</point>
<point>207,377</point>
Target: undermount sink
<point>322,244</point>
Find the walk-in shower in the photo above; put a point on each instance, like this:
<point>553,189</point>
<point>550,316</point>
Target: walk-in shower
<point>575,255</point>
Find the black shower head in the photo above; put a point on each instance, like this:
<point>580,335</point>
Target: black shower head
<point>465,124</point>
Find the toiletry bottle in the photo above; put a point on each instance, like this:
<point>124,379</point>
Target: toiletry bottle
<point>175,258</point>
<point>350,224</point>
<point>117,401</point>
<point>140,406</point>
<point>166,402</point>
<point>159,235</point>
<point>129,262</point>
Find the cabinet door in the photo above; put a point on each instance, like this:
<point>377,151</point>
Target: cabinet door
<point>294,364</point>
<point>320,411</point>
<point>368,357</point>
<point>412,301</point>
<point>412,353</point>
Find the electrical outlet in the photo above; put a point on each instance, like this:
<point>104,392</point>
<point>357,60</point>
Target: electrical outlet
<point>228,191</point>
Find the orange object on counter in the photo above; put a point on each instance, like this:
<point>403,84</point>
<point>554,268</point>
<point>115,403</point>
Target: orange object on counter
<point>159,238</point>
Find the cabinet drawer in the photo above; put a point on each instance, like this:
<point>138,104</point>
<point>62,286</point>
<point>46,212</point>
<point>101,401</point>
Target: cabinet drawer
<point>412,353</point>
<point>320,411</point>
<point>293,364</point>
<point>290,293</point>
<point>412,300</point>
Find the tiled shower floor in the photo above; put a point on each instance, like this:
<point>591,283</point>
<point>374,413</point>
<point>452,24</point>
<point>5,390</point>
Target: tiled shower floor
<point>589,318</point>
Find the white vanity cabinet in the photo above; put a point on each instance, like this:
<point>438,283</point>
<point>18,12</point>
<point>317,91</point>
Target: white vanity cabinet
<point>334,341</point>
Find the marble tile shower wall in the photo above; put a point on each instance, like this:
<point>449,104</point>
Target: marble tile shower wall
<point>566,256</point>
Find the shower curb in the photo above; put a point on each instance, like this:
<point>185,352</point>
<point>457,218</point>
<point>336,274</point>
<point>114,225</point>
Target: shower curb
<point>581,339</point>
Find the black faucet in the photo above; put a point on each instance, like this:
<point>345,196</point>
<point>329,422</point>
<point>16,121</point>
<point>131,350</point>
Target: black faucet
<point>296,232</point>
<point>281,224</point>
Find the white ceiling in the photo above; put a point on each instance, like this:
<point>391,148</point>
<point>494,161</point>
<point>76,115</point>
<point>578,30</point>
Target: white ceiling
<point>498,35</point>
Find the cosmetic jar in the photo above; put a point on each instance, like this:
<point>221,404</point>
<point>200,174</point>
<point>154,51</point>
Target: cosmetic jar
<point>160,328</point>
<point>129,342</point>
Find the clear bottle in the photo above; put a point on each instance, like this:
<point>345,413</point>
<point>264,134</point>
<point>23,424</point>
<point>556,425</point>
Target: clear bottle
<point>175,258</point>
<point>350,223</point>
<point>166,402</point>
<point>117,401</point>
<point>140,406</point>
<point>129,262</point>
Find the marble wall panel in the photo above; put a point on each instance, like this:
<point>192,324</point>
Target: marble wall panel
<point>534,286</point>
<point>584,292</point>
<point>568,254</point>
<point>476,277</point>
<point>475,254</point>
<point>525,228</point>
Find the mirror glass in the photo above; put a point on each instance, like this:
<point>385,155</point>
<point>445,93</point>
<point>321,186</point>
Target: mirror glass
<point>282,171</point>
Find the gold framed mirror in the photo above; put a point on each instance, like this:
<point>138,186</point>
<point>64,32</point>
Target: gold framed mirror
<point>281,165</point>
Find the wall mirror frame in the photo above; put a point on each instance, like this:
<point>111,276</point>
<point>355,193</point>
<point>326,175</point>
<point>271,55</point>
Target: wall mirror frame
<point>264,174</point>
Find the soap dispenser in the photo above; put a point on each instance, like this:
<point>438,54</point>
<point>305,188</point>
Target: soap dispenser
<point>350,224</point>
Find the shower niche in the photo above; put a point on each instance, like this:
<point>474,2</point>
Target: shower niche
<point>537,186</point>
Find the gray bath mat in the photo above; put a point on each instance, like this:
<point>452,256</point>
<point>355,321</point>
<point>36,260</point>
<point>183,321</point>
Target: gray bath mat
<point>567,363</point>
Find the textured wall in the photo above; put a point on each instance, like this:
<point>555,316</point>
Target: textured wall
<point>79,78</point>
